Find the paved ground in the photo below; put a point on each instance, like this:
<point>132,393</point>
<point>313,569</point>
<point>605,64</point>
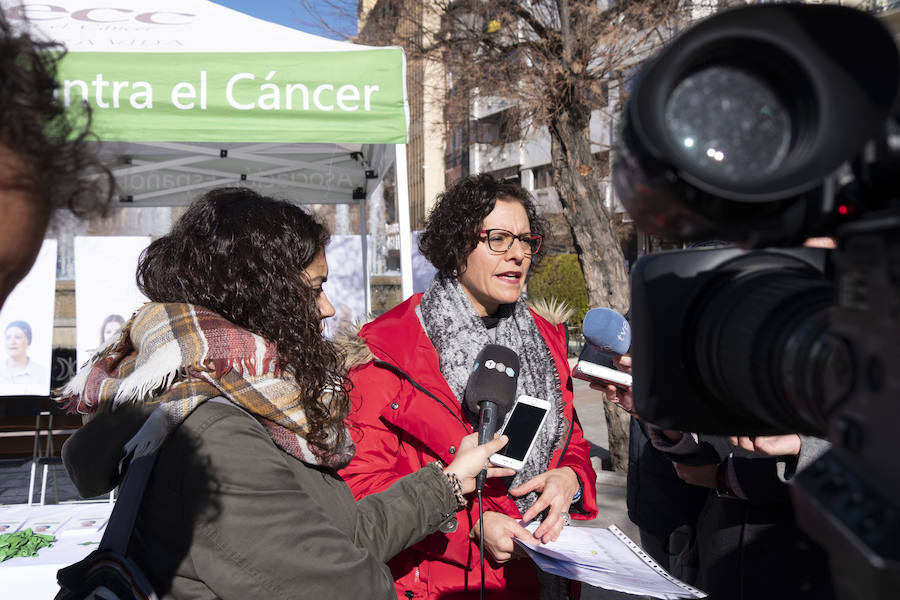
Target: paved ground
<point>14,479</point>
<point>610,486</point>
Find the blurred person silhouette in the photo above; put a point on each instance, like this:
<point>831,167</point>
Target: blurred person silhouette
<point>728,526</point>
<point>657,500</point>
<point>44,152</point>
<point>245,500</point>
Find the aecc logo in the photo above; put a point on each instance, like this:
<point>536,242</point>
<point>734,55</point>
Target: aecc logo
<point>52,12</point>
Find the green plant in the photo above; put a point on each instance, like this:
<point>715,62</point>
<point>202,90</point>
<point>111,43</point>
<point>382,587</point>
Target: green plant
<point>559,277</point>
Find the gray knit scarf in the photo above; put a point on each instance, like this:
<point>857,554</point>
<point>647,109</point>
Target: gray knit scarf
<point>458,335</point>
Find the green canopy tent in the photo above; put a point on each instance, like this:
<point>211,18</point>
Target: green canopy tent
<point>188,95</point>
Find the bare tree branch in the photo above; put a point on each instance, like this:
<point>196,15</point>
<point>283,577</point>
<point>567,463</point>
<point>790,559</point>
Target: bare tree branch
<point>554,64</point>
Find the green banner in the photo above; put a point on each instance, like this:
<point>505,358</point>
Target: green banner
<point>354,96</point>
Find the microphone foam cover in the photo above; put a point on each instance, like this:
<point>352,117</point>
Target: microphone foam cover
<point>607,330</point>
<point>493,378</point>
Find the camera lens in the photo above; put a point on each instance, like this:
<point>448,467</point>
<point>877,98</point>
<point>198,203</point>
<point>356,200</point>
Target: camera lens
<point>729,122</point>
<point>762,345</point>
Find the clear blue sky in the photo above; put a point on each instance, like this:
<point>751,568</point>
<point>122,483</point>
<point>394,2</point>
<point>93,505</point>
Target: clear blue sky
<point>340,14</point>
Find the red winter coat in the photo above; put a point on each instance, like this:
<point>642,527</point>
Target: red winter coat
<point>404,416</point>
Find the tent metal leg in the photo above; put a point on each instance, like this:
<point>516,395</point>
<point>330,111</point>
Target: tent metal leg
<point>400,170</point>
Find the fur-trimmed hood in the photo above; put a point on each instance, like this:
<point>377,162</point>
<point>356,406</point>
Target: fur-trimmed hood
<point>356,352</point>
<point>352,347</point>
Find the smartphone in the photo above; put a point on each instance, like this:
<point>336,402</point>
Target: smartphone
<point>525,421</point>
<point>595,373</point>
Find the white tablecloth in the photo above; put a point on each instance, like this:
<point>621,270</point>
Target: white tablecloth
<point>34,578</point>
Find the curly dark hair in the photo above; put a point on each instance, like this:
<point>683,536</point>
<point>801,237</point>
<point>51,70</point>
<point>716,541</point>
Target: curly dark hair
<point>454,224</point>
<point>242,255</point>
<point>49,139</point>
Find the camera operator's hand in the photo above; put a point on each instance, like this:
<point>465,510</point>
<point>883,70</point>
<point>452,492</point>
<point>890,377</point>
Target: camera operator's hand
<point>623,363</point>
<point>769,445</point>
<point>615,394</point>
<point>699,475</point>
<point>673,436</point>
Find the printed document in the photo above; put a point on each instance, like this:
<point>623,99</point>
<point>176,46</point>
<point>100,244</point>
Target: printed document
<point>606,558</point>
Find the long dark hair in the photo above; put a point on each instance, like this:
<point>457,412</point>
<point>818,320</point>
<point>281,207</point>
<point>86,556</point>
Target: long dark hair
<point>242,256</point>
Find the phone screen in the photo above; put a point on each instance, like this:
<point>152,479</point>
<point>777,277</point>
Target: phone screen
<point>521,428</point>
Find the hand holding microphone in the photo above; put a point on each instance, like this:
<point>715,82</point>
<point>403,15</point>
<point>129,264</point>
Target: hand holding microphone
<point>609,333</point>
<point>618,394</point>
<point>470,458</point>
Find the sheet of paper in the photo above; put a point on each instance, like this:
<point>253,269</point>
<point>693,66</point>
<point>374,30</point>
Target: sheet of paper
<point>10,525</point>
<point>607,558</point>
<point>88,522</point>
<point>44,525</point>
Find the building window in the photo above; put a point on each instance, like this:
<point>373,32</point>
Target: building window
<point>498,128</point>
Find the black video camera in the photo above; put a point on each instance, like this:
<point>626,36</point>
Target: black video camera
<point>764,126</point>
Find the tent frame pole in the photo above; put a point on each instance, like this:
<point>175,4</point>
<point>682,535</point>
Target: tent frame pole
<point>364,240</point>
<point>406,280</point>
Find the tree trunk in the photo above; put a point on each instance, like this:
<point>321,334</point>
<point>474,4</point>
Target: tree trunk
<point>617,426</point>
<point>598,248</point>
<point>577,181</point>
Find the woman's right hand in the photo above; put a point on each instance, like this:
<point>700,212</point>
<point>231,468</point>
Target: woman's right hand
<point>471,458</point>
<point>499,533</point>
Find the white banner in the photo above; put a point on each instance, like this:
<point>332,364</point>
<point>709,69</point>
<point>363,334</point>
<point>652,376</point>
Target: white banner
<point>106,294</point>
<point>346,282</point>
<point>27,321</point>
<point>422,270</point>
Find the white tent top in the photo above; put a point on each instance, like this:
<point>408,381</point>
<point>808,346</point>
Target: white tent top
<point>188,95</point>
<point>195,71</point>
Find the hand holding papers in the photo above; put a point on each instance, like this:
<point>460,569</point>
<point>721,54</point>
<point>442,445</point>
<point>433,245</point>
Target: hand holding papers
<point>606,558</point>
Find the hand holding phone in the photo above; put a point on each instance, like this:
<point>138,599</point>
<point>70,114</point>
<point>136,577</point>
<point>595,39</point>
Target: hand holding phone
<point>525,421</point>
<point>595,373</point>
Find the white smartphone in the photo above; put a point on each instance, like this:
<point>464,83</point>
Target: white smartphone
<point>595,373</point>
<point>525,421</point>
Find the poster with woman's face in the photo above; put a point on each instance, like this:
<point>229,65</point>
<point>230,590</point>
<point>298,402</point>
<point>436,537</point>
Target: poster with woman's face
<point>106,294</point>
<point>26,320</point>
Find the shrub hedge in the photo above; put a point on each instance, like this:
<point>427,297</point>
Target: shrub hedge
<point>560,277</point>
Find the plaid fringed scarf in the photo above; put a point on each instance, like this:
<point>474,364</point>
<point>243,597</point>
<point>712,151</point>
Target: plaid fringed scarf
<point>181,355</point>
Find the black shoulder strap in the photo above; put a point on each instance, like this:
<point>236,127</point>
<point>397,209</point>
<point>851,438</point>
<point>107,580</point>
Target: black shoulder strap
<point>147,442</point>
<point>131,490</point>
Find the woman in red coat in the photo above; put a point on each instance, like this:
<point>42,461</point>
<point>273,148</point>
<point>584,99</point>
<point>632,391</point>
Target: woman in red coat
<point>409,371</point>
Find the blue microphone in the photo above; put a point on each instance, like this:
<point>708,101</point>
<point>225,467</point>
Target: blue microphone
<point>607,331</point>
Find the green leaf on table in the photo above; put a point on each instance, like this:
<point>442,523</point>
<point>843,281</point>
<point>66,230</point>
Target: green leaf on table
<point>23,543</point>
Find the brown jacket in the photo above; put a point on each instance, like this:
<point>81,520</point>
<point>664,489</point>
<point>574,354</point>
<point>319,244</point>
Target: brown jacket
<point>227,514</point>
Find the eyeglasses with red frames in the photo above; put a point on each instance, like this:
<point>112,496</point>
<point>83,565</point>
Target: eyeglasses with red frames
<point>501,240</point>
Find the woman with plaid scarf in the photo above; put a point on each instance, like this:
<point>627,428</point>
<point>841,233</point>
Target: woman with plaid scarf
<point>245,500</point>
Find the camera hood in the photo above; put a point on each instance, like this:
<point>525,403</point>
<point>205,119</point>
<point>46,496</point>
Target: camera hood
<point>735,128</point>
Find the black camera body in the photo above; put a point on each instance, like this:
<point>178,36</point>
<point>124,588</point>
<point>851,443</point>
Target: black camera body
<point>731,334</point>
<point>765,126</point>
